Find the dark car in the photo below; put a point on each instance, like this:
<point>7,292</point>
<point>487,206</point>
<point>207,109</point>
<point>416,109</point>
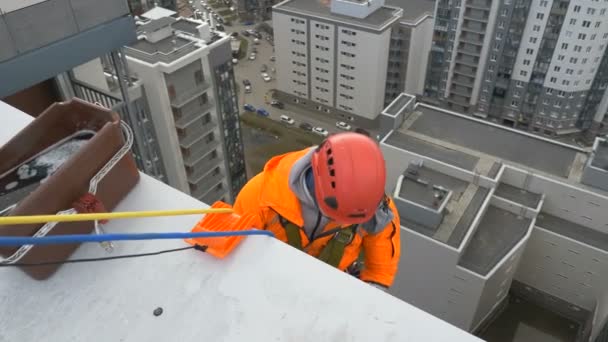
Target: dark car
<point>234,34</point>
<point>249,107</point>
<point>278,104</point>
<point>245,33</point>
<point>263,112</point>
<point>306,126</point>
<point>362,131</point>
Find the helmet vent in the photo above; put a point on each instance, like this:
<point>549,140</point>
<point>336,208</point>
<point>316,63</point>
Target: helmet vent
<point>328,151</point>
<point>332,172</point>
<point>330,161</point>
<point>333,185</point>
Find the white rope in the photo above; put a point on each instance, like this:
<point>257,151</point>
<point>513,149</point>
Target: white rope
<point>44,230</point>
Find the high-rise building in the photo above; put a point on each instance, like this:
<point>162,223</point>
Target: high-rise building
<point>534,65</point>
<point>347,58</point>
<point>186,71</point>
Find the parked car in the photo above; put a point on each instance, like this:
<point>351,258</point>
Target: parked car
<point>306,126</point>
<point>254,49</point>
<point>234,34</point>
<point>343,125</point>
<point>266,77</point>
<point>273,58</point>
<point>320,131</point>
<point>249,107</point>
<point>252,56</point>
<point>277,103</point>
<point>257,35</point>
<point>247,85</point>
<point>245,33</point>
<point>263,68</point>
<point>235,61</point>
<point>219,27</point>
<point>286,119</point>
<point>263,112</point>
<point>362,131</point>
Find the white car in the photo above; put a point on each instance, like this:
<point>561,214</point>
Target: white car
<point>343,126</point>
<point>252,56</point>
<point>320,131</point>
<point>256,41</point>
<point>286,119</point>
<point>235,61</point>
<point>266,77</point>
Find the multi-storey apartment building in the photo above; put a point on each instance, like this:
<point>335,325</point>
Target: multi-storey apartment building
<point>187,73</point>
<point>530,64</point>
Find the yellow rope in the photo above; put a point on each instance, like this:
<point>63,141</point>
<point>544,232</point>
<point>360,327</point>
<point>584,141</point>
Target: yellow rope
<point>32,219</point>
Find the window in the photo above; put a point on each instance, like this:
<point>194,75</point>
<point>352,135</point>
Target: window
<point>321,37</point>
<point>569,71</point>
<point>523,73</point>
<point>349,32</point>
<point>577,9</point>
<point>497,46</point>
<point>578,48</point>
<point>504,12</point>
<point>491,68</point>
<point>573,60</point>
<point>526,62</point>
<point>519,84</point>
<point>565,82</point>
<point>514,103</point>
<point>553,80</point>
<point>533,40</point>
<point>586,23</point>
<point>568,34</point>
<point>588,49</point>
<point>549,91</point>
<point>347,54</point>
<point>198,77</point>
<point>605,36</point>
<point>593,36</point>
<point>582,36</point>
<point>572,21</point>
<point>584,61</point>
<point>347,43</point>
<point>540,16</point>
<point>529,51</point>
<point>493,57</point>
<point>603,11</point>
<point>561,93</point>
<point>580,72</point>
<point>564,46</point>
<point>557,68</point>
<point>516,93</point>
<point>544,3</point>
<point>598,24</point>
<point>499,35</point>
<point>501,24</point>
<point>591,11</point>
<point>560,57</point>
<point>536,28</point>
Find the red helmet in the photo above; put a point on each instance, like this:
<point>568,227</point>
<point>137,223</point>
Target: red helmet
<point>349,175</point>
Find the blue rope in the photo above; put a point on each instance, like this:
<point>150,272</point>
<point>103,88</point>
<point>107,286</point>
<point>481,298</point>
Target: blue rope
<point>85,238</point>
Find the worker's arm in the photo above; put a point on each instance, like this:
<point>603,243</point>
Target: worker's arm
<point>382,252</point>
<point>247,201</point>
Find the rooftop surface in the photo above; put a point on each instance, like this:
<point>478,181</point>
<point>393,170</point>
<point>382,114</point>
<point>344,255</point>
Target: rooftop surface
<point>495,141</point>
<point>165,46</point>
<point>186,26</point>
<point>377,20</point>
<point>518,195</point>
<point>431,150</point>
<point>413,10</point>
<point>498,231</point>
<point>419,192</point>
<point>155,25</point>
<point>203,298</point>
<point>573,230</point>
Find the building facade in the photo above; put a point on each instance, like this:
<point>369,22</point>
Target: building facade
<point>529,64</point>
<point>186,70</point>
<point>333,59</point>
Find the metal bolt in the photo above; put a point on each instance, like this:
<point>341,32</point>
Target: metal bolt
<point>158,311</point>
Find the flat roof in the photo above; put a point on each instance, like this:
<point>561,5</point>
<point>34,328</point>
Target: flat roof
<point>413,10</point>
<point>518,195</point>
<point>573,230</point>
<point>434,151</point>
<point>418,192</point>
<point>600,158</point>
<point>467,217</point>
<point>186,26</point>
<point>377,20</point>
<point>398,104</point>
<point>167,45</point>
<point>158,12</point>
<point>494,140</point>
<point>154,25</point>
<point>498,231</point>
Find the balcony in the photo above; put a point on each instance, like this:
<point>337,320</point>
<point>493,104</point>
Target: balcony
<point>458,101</point>
<point>207,185</point>
<point>469,39</point>
<point>479,4</point>
<point>462,92</point>
<point>194,134</point>
<point>203,168</point>
<point>463,81</point>
<point>467,60</point>
<point>187,96</point>
<point>214,194</point>
<point>469,49</point>
<point>199,152</point>
<point>188,119</point>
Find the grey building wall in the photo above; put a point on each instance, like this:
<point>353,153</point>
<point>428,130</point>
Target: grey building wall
<point>446,22</point>
<point>600,83</point>
<point>228,109</point>
<point>397,62</point>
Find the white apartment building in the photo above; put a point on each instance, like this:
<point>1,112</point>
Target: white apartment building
<point>333,58</point>
<point>504,233</point>
<point>187,73</point>
<point>533,64</point>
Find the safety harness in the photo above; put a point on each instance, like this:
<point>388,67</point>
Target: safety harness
<point>334,249</point>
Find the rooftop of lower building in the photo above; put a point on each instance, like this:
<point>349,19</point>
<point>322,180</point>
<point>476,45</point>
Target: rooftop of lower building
<point>378,20</point>
<point>413,10</point>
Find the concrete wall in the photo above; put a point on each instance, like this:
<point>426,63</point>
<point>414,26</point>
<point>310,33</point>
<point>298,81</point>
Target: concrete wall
<point>355,9</point>
<point>317,77</point>
<point>183,79</point>
<point>283,24</point>
<point>512,207</point>
<point>425,269</point>
<point>91,72</point>
<point>595,177</point>
<point>563,200</point>
<point>420,47</point>
<point>370,64</point>
<point>600,319</point>
<point>464,292</point>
